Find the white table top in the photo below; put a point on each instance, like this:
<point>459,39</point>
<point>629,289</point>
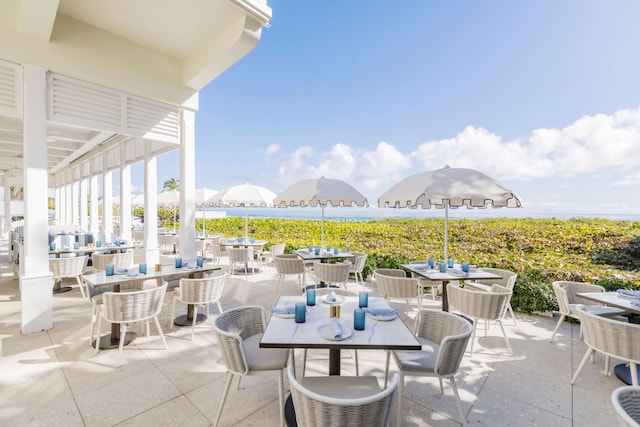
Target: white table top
<point>613,299</point>
<point>234,242</point>
<point>101,279</point>
<point>451,274</point>
<point>286,333</point>
<point>306,255</point>
<point>83,249</point>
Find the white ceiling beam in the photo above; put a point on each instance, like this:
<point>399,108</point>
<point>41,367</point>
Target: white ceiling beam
<point>38,17</point>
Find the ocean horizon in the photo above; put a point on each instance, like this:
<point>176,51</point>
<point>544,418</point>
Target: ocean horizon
<point>375,213</point>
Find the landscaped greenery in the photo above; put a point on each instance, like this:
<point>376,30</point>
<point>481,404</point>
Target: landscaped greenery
<point>605,252</point>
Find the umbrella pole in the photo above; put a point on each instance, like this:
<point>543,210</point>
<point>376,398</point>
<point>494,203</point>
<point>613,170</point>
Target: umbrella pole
<point>246,224</point>
<point>174,219</point>
<point>203,221</point>
<point>322,229</point>
<point>446,232</point>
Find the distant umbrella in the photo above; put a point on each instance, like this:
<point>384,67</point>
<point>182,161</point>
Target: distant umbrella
<point>449,188</point>
<point>320,192</point>
<point>244,195</point>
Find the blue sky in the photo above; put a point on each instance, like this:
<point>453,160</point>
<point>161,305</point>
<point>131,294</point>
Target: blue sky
<point>542,95</point>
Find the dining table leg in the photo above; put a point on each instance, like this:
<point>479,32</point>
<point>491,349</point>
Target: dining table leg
<point>445,299</point>
<point>334,361</point>
<point>187,319</point>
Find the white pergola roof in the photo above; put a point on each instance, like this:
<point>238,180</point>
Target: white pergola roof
<point>119,73</point>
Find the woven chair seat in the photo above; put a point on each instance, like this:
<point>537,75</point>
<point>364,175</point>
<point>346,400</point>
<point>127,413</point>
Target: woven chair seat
<point>626,402</point>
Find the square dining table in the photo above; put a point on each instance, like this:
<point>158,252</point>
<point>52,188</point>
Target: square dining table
<point>284,332</point>
<point>100,279</point>
<point>451,274</point>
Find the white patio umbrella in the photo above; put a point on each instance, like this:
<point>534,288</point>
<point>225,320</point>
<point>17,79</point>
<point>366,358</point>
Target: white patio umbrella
<point>246,195</point>
<point>449,188</point>
<point>320,192</point>
<point>202,195</point>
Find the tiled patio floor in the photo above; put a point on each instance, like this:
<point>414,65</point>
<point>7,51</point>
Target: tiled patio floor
<point>54,378</point>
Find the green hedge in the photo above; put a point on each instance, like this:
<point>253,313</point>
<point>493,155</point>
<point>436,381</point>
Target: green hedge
<point>602,251</point>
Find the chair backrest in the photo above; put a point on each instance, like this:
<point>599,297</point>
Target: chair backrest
<point>450,331</point>
<point>237,255</point>
<point>123,307</point>
<point>397,286</point>
<point>199,245</point>
<point>313,409</point>
<point>120,261</point>
<point>231,328</point>
<point>287,265</point>
<point>610,336</point>
<point>358,262</point>
<point>277,249</point>
<point>562,298</point>
<point>626,402</point>
<point>395,272</point>
<point>480,305</point>
<point>332,273</point>
<point>507,278</point>
<point>67,267</point>
<point>202,291</point>
<point>573,288</point>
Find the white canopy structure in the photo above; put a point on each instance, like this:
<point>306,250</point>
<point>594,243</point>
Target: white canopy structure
<point>88,88</point>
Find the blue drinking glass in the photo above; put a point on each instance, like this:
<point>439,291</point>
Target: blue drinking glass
<point>465,267</point>
<point>317,250</point>
<point>52,246</point>
<point>450,262</point>
<point>358,319</point>
<point>363,299</point>
<point>432,263</point>
<point>142,268</point>
<point>178,262</point>
<point>76,245</point>
<point>109,269</point>
<point>443,267</point>
<point>311,297</point>
<point>199,261</point>
<point>301,312</point>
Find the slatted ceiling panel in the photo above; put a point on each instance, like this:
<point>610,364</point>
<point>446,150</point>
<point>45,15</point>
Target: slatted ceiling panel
<point>10,89</point>
<point>77,173</point>
<point>112,157</point>
<point>152,119</point>
<point>85,170</point>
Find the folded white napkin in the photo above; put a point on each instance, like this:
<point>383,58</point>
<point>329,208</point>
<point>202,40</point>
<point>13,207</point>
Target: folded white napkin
<point>331,297</point>
<point>381,311</point>
<point>629,293</point>
<point>337,331</point>
<point>457,272</point>
<point>288,309</point>
<point>132,273</point>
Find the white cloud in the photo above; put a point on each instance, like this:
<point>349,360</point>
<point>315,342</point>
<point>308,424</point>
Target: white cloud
<point>271,150</point>
<point>607,145</point>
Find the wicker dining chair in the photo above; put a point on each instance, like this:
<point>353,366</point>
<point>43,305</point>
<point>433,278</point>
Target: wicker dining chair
<point>626,402</point>
<point>240,257</point>
<point>239,332</point>
<point>568,303</point>
<point>479,305</point>
<point>507,279</point>
<point>274,250</point>
<point>340,400</point>
<point>444,337</point>
<point>332,274</point>
<point>358,267</point>
<point>130,307</point>
<point>63,268</point>
<point>290,264</point>
<point>393,272</point>
<point>426,284</point>
<point>199,292</point>
<point>612,338</point>
<point>393,285</point>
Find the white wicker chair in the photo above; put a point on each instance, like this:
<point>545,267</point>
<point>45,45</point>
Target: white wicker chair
<point>239,332</point>
<point>626,402</point>
<point>479,305</point>
<point>444,337</point>
<point>393,272</point>
<point>120,261</point>
<point>393,285</point>
<point>357,267</point>
<point>507,280</point>
<point>62,268</point>
<point>130,307</point>
<point>332,274</point>
<point>341,401</point>
<point>426,284</point>
<point>274,250</point>
<point>290,264</point>
<point>612,338</point>
<point>568,302</point>
<point>241,257</point>
<point>202,292</point>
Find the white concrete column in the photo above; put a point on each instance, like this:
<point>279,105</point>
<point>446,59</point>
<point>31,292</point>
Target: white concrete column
<point>125,196</point>
<point>35,280</point>
<point>107,202</point>
<point>75,209</point>
<point>68,200</point>
<point>151,251</point>
<point>84,212</point>
<point>7,209</point>
<point>187,185</point>
<point>94,224</point>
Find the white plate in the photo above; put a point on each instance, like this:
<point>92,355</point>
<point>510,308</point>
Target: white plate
<point>285,315</point>
<point>628,296</point>
<point>382,318</point>
<point>339,300</point>
<point>326,332</point>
